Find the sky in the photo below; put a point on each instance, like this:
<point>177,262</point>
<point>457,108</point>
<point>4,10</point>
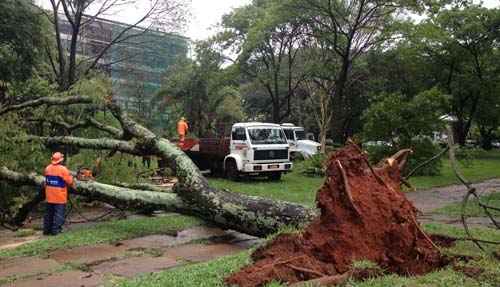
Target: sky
<point>205,14</point>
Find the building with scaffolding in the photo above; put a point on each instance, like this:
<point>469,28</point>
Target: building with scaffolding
<point>135,63</point>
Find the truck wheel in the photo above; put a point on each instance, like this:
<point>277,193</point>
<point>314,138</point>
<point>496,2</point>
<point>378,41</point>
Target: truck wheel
<point>275,176</point>
<point>232,170</point>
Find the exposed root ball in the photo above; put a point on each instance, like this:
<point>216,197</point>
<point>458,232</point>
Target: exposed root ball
<point>364,216</point>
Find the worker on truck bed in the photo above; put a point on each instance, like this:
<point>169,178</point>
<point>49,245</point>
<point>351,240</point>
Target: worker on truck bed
<point>57,180</point>
<point>182,129</point>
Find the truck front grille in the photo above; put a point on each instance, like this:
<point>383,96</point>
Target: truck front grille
<point>270,154</point>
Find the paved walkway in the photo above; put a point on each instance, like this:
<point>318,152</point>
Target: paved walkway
<point>430,199</point>
<point>88,266</point>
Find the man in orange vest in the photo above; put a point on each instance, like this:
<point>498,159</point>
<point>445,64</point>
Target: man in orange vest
<point>57,180</point>
<point>182,129</point>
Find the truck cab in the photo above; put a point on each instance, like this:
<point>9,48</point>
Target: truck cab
<point>257,149</point>
<point>251,148</point>
<point>299,144</point>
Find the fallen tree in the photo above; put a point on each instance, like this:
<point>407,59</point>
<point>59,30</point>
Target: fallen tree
<point>254,215</point>
<point>191,195</point>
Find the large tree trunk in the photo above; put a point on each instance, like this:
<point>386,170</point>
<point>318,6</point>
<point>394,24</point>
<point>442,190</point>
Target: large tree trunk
<point>191,195</point>
<point>486,137</point>
<point>251,215</point>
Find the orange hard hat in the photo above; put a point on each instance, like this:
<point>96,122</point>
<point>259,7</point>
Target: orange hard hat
<point>57,157</point>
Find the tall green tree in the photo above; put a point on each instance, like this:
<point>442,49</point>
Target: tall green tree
<point>460,44</point>
<point>266,37</point>
<point>21,37</point>
<point>203,91</point>
<point>344,30</point>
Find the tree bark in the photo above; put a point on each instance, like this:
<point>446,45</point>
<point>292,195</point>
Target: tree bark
<point>191,195</point>
<point>486,138</point>
<point>247,214</point>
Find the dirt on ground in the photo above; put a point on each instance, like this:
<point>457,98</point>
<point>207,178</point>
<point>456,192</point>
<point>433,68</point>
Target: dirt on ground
<point>364,216</point>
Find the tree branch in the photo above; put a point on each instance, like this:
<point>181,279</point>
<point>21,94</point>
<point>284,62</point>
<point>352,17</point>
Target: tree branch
<point>123,197</point>
<point>48,101</point>
<point>95,144</point>
<point>117,133</point>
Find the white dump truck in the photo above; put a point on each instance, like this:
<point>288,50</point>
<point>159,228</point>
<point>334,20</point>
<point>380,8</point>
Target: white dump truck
<point>299,144</point>
<point>252,148</point>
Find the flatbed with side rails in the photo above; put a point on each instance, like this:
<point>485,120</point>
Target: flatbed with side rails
<point>256,149</point>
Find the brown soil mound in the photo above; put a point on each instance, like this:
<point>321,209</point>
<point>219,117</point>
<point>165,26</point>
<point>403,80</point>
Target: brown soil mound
<point>364,216</point>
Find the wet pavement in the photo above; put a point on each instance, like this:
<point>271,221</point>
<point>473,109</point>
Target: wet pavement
<point>134,266</point>
<point>456,220</point>
<point>88,255</point>
<point>430,199</point>
<point>71,278</point>
<point>127,258</point>
<point>26,266</point>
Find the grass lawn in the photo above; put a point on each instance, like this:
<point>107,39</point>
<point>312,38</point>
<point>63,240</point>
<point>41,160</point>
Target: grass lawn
<point>298,188</point>
<point>212,273</point>
<point>293,187</point>
<point>105,232</point>
<point>473,209</point>
<point>485,165</point>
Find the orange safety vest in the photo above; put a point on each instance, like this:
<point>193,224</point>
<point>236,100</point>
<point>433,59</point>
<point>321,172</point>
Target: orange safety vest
<point>57,179</point>
<point>182,128</point>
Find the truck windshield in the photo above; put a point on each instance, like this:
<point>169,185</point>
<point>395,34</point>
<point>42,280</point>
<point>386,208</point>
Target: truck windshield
<point>266,136</point>
<point>301,135</point>
<point>289,134</point>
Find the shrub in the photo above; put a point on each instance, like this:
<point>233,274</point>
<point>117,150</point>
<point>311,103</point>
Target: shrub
<point>423,149</point>
<point>313,166</point>
<point>465,156</point>
<point>408,121</point>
